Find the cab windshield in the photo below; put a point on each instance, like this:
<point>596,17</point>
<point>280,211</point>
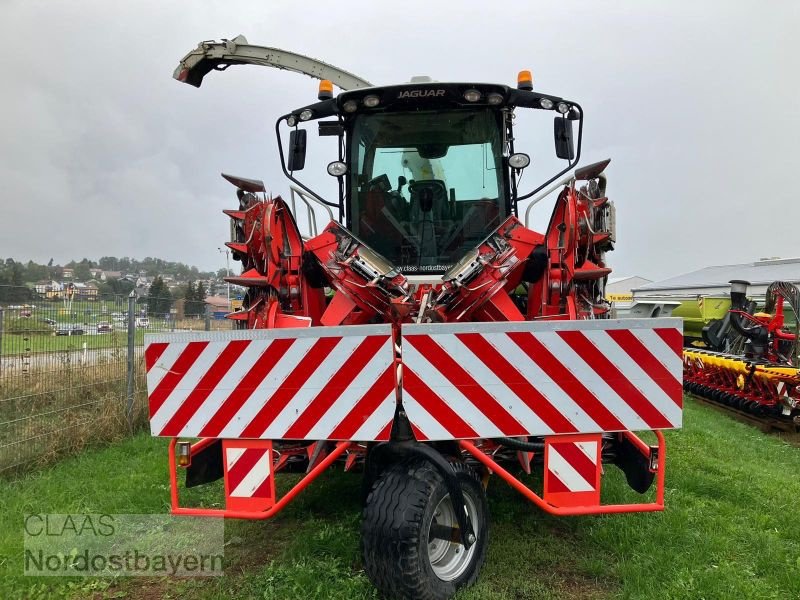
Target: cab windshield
<point>426,186</point>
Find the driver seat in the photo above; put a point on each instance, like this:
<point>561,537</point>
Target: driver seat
<point>429,196</point>
<point>429,217</point>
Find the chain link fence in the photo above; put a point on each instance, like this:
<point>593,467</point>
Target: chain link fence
<point>72,372</point>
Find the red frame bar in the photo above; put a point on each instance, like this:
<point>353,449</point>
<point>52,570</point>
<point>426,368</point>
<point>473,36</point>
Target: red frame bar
<point>515,483</point>
<point>468,446</point>
<point>176,509</point>
<point>197,446</point>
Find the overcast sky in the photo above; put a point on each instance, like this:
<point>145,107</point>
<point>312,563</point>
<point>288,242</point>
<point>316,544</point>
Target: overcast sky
<point>103,153</point>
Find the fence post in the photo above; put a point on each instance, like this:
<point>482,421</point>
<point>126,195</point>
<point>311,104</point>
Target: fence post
<point>131,361</point>
<point>208,317</point>
<point>2,318</point>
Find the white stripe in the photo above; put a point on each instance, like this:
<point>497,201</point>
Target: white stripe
<point>422,420</point>
<point>566,473</point>
<point>492,384</point>
<point>377,420</point>
<point>355,392</point>
<point>442,387</point>
<point>255,477</point>
<point>267,387</point>
<point>225,387</point>
<point>332,363</point>
<point>637,376</point>
<point>599,388</point>
<point>162,366</point>
<point>186,385</point>
<point>544,384</point>
<point>232,455</point>
<point>660,349</point>
<point>589,449</point>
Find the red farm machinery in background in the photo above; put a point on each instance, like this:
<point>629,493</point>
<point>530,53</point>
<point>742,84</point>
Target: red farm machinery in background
<point>426,338</point>
<point>750,363</point>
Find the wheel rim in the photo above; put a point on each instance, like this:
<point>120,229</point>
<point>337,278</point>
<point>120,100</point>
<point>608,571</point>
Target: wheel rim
<point>449,560</point>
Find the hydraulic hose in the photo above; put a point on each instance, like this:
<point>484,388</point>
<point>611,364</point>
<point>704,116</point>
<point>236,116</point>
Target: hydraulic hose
<point>519,444</point>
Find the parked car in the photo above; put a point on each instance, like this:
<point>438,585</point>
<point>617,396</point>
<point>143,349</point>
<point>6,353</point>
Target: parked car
<point>104,327</point>
<point>70,330</point>
<point>142,322</point>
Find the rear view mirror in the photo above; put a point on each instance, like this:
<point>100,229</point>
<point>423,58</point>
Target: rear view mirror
<point>562,132</point>
<point>297,150</point>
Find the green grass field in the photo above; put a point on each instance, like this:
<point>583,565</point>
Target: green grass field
<point>730,530</point>
<point>36,343</point>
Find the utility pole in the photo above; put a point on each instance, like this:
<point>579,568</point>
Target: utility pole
<point>131,350</point>
<point>228,271</point>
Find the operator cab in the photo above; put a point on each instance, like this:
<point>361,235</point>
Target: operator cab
<point>426,170</point>
<point>425,186</point>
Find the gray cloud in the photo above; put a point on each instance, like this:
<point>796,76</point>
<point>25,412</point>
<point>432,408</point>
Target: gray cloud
<point>104,154</point>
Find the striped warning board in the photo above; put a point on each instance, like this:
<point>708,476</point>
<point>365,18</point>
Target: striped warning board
<point>488,380</point>
<point>572,470</point>
<point>249,481</point>
<point>336,383</point>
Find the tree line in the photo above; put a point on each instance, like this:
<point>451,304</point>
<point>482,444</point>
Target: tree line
<point>160,300</point>
<point>16,279</point>
<point>32,272</point>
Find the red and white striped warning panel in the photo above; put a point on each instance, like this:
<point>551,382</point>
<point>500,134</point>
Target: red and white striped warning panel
<point>572,470</point>
<point>475,380</point>
<point>249,481</point>
<point>335,383</point>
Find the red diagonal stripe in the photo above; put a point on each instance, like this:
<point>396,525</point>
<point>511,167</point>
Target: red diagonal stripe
<point>554,484</point>
<point>243,466</point>
<point>673,338</point>
<point>564,378</point>
<point>385,432</point>
<point>367,405</point>
<point>440,360</point>
<point>152,353</point>
<point>634,347</point>
<point>175,374</point>
<point>618,382</point>
<point>418,435</point>
<point>264,490</point>
<point>436,407</point>
<point>290,386</point>
<point>516,382</point>
<point>577,460</point>
<point>260,369</point>
<point>334,388</point>
<point>233,350</point>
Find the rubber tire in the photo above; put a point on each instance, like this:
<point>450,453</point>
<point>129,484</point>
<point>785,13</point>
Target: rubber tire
<point>398,510</point>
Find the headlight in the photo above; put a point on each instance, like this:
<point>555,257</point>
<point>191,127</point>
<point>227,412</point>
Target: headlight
<point>306,114</point>
<point>350,106</point>
<point>546,103</point>
<point>495,99</point>
<point>371,101</point>
<point>291,120</point>
<point>563,108</point>
<point>337,168</point>
<point>520,160</point>
<point>472,95</point>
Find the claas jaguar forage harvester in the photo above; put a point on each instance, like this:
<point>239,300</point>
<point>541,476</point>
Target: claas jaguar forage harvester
<point>426,338</point>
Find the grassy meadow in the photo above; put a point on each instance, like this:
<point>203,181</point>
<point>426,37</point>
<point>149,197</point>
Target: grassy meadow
<point>729,531</point>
